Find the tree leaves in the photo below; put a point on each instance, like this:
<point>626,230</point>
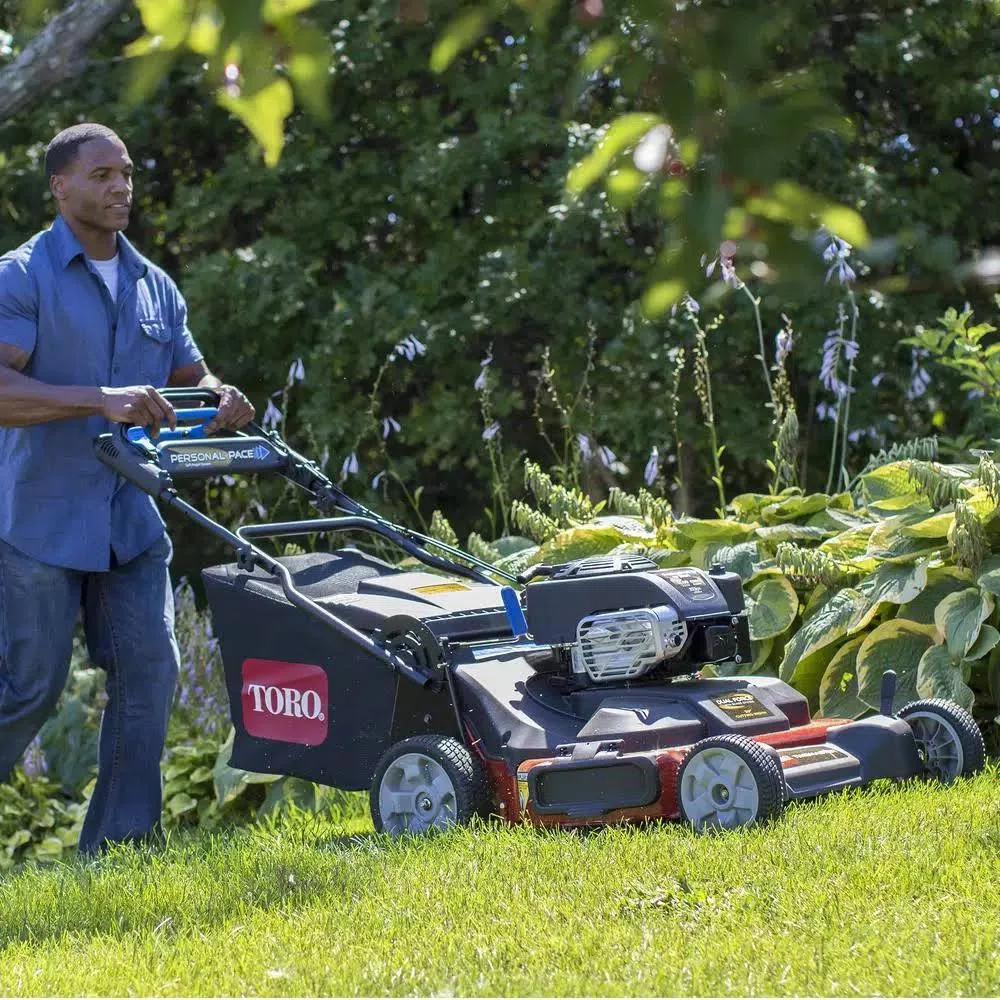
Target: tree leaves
<point>264,113</point>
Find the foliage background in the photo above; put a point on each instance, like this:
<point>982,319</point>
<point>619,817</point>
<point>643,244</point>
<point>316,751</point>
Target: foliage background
<point>434,206</point>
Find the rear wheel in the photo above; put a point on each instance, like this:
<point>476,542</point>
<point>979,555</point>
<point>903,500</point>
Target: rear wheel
<point>426,783</point>
<point>729,781</point>
<point>948,740</point>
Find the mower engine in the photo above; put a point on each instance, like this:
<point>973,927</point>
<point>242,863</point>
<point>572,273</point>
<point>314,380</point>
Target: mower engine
<point>622,617</point>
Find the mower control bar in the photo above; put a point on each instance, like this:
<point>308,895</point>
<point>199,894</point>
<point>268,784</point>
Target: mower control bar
<point>250,556</point>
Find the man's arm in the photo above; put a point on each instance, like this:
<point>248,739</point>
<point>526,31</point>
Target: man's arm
<point>235,410</point>
<point>25,401</point>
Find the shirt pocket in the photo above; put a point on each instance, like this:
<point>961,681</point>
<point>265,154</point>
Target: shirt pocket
<point>155,350</point>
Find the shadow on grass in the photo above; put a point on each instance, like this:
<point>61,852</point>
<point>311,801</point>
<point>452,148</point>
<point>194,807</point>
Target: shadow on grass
<point>192,881</point>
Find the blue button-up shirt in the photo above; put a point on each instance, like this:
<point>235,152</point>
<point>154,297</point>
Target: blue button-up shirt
<point>58,503</point>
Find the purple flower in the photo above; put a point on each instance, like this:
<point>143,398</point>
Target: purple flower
<point>606,456</point>
<point>782,345</point>
<point>828,372</point>
<point>272,417</point>
<point>34,763</point>
<point>388,426</point>
<point>350,466</point>
<point>297,372</point>
<point>724,259</point>
<point>826,411</point>
<point>836,254</point>
<point>652,469</point>
<point>919,379</point>
<point>409,347</point>
<point>491,432</point>
<point>378,479</point>
<point>484,365</point>
<point>583,443</point>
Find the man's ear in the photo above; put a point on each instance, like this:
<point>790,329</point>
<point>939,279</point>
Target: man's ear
<point>57,185</point>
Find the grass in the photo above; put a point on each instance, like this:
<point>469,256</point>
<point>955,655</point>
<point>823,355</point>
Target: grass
<point>894,890</point>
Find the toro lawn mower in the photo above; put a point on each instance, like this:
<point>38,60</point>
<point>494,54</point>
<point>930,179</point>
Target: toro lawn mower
<point>567,696</point>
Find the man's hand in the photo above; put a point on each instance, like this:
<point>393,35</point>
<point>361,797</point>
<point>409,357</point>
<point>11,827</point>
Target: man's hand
<point>141,405</point>
<point>235,410</point>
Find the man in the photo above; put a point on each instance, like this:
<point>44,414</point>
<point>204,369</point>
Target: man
<point>88,328</point>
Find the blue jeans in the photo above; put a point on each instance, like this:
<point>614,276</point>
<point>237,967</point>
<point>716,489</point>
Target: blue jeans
<point>128,615</point>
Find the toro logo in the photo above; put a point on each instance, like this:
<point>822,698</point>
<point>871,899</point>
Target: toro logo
<point>287,702</point>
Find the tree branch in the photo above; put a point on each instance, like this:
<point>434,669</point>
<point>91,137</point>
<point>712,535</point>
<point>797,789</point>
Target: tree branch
<point>58,53</point>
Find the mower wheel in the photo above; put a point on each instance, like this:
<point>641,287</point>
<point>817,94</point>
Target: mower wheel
<point>948,740</point>
<point>427,783</point>
<point>729,781</point>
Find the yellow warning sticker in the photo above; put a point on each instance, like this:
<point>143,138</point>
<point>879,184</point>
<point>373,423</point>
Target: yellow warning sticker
<point>440,588</point>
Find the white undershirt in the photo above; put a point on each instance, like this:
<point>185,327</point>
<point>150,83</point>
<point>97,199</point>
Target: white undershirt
<point>108,270</point>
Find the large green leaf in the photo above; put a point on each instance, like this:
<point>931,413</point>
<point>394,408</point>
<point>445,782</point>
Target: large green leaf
<point>887,481</point>
<point>630,527</point>
<point>264,114</point>
<point>989,575</point>
<point>180,803</point>
<point>891,583</point>
<point>748,506</point>
<point>508,545</point>
<point>828,623</point>
<point>939,676</point>
<point>810,671</point>
<point>959,618</point>
<point>775,533</point>
<point>985,642</point>
<point>941,582</point>
<point>578,543</point>
<point>714,529</point>
<point>838,520</point>
<point>792,508</point>
<point>742,558</point>
<point>773,605</point>
<point>895,645</point>
<point>888,544</point>
<point>761,653</point>
<point>936,526</point>
<point>838,691</point>
<point>850,543</point>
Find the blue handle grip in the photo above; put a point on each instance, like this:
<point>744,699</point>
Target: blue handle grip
<point>196,418</point>
<point>512,605</point>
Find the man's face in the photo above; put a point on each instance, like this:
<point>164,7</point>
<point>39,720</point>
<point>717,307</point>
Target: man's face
<point>96,188</point>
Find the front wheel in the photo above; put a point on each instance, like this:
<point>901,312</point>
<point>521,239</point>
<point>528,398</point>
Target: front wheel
<point>426,783</point>
<point>948,740</point>
<point>729,781</point>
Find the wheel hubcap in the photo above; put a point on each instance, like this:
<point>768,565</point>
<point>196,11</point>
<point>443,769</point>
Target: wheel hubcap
<point>719,790</point>
<point>938,744</point>
<point>416,795</point>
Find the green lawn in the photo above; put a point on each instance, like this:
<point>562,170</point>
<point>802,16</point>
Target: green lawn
<point>894,890</point>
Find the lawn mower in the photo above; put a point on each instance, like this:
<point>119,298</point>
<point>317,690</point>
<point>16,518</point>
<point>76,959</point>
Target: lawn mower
<point>571,695</point>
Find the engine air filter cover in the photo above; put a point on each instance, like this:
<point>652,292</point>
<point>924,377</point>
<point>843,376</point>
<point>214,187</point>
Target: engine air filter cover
<point>620,645</point>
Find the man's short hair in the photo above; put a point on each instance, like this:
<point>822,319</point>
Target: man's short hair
<point>61,151</point>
